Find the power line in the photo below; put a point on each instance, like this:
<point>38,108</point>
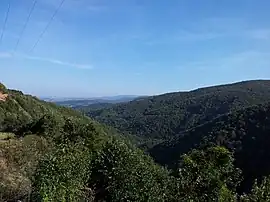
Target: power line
<point>5,22</point>
<point>26,23</point>
<point>47,26</point>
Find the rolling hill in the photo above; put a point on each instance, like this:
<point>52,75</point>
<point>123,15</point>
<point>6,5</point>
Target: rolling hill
<point>235,116</point>
<point>165,116</point>
<point>54,153</point>
<point>83,102</point>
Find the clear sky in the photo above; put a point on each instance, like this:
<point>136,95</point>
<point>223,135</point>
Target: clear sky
<point>109,47</point>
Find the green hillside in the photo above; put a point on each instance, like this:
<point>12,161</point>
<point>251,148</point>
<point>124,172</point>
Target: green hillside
<point>51,153</point>
<point>164,116</point>
<point>245,132</point>
<point>20,109</point>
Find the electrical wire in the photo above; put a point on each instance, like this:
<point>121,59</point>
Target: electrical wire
<point>47,26</point>
<point>26,23</point>
<point>5,22</point>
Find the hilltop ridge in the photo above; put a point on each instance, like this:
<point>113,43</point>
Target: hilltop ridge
<point>164,116</point>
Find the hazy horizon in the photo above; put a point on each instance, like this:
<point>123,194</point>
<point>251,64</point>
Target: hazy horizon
<point>122,95</point>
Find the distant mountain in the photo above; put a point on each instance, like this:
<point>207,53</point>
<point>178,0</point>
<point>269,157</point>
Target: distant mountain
<point>165,116</point>
<point>119,97</point>
<point>116,97</point>
<point>98,105</point>
<point>82,102</point>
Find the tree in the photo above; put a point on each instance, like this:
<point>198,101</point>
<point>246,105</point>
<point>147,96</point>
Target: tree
<point>207,175</point>
<point>259,192</point>
<point>123,173</point>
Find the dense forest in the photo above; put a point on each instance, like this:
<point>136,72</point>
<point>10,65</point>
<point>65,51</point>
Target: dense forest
<point>165,116</point>
<point>53,153</point>
<point>246,133</point>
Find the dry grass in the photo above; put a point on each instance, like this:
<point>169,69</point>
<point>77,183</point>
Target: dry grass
<point>18,159</point>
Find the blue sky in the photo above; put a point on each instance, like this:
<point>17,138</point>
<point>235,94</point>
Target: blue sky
<point>104,47</point>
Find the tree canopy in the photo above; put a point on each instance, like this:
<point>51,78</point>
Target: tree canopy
<point>165,116</point>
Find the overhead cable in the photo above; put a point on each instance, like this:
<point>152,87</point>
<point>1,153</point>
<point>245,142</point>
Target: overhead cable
<point>5,22</point>
<point>26,23</point>
<point>48,24</point>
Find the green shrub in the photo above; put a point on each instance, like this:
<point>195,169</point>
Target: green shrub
<point>63,173</point>
<point>208,174</point>
<point>123,173</point>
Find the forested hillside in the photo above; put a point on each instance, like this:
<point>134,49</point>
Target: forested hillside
<point>165,116</point>
<point>245,132</point>
<point>51,153</point>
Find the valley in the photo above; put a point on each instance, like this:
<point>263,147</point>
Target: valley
<point>134,101</point>
<point>147,149</point>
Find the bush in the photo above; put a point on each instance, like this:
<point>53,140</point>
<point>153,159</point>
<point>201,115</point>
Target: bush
<point>208,175</point>
<point>123,173</point>
<point>63,173</point>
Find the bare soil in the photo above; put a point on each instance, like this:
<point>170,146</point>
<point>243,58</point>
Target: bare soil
<point>3,97</point>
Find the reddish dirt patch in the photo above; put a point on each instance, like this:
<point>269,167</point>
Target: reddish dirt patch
<point>3,97</point>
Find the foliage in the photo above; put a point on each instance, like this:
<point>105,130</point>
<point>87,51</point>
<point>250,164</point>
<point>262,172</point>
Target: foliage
<point>123,173</point>
<point>85,164</point>
<point>245,132</point>
<point>208,175</point>
<point>165,116</point>
<point>51,153</point>
<point>259,192</point>
<point>20,110</point>
<point>61,175</point>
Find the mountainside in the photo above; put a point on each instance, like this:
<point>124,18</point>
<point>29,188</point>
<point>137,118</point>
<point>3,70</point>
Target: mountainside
<point>19,109</point>
<point>52,153</point>
<point>168,115</point>
<point>245,132</point>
